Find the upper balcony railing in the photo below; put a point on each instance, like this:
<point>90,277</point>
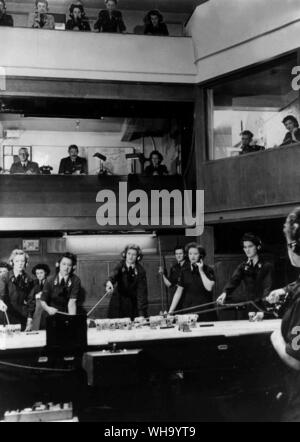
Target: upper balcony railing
<point>86,55</point>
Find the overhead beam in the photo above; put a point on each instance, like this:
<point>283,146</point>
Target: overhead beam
<point>89,89</point>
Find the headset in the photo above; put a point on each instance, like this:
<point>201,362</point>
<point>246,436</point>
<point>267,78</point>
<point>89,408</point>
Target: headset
<point>69,256</point>
<point>133,247</point>
<point>74,6</point>
<point>17,252</point>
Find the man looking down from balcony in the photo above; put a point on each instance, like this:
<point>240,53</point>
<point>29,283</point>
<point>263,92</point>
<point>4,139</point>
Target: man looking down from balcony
<point>110,20</point>
<point>40,19</point>
<point>293,134</point>
<point>247,143</point>
<point>24,166</point>
<point>73,164</point>
<point>5,19</point>
<point>78,20</point>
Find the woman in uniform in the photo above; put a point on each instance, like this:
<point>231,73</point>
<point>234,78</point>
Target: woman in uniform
<point>155,167</point>
<point>41,272</point>
<point>286,340</point>
<point>293,134</point>
<point>195,284</point>
<point>16,295</point>
<point>78,21</point>
<point>171,280</point>
<point>255,274</point>
<point>128,285</point>
<point>154,24</point>
<point>4,269</point>
<point>61,292</point>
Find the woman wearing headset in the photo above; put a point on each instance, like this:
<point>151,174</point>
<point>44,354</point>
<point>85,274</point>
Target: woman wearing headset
<point>61,292</point>
<point>286,340</point>
<point>255,273</point>
<point>78,21</point>
<point>195,284</point>
<point>16,295</point>
<point>128,284</point>
<point>155,167</point>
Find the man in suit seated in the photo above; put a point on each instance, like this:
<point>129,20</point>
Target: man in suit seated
<point>24,166</point>
<point>110,19</point>
<point>40,19</point>
<point>73,164</point>
<point>247,143</point>
<point>5,19</point>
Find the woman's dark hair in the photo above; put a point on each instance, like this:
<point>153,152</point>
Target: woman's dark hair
<point>115,1</point>
<point>41,266</point>
<point>194,245</point>
<point>71,10</point>
<point>5,265</point>
<point>292,229</point>
<point>69,256</point>
<point>252,238</point>
<point>155,152</point>
<point>291,118</point>
<point>73,146</point>
<point>178,248</point>
<point>147,18</point>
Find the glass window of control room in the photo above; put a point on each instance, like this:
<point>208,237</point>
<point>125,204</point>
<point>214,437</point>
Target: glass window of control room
<point>107,145</point>
<point>256,100</point>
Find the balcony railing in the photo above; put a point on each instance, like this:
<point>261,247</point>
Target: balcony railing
<point>57,202</point>
<point>79,55</point>
<point>264,183</point>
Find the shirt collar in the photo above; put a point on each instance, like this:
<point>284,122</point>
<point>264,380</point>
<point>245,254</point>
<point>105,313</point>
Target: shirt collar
<point>255,262</point>
<point>60,277</point>
<point>131,266</point>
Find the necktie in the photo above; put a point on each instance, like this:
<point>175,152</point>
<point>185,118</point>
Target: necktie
<point>63,283</point>
<point>131,273</point>
<point>195,269</point>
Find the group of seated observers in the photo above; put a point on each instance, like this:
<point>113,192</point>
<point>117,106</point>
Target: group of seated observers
<point>76,165</point>
<point>291,137</point>
<point>109,19</point>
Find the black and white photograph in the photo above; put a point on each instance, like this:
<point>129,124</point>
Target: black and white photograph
<point>149,213</point>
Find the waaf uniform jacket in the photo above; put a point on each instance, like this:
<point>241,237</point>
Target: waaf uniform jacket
<point>17,293</point>
<point>130,297</point>
<point>257,281</point>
